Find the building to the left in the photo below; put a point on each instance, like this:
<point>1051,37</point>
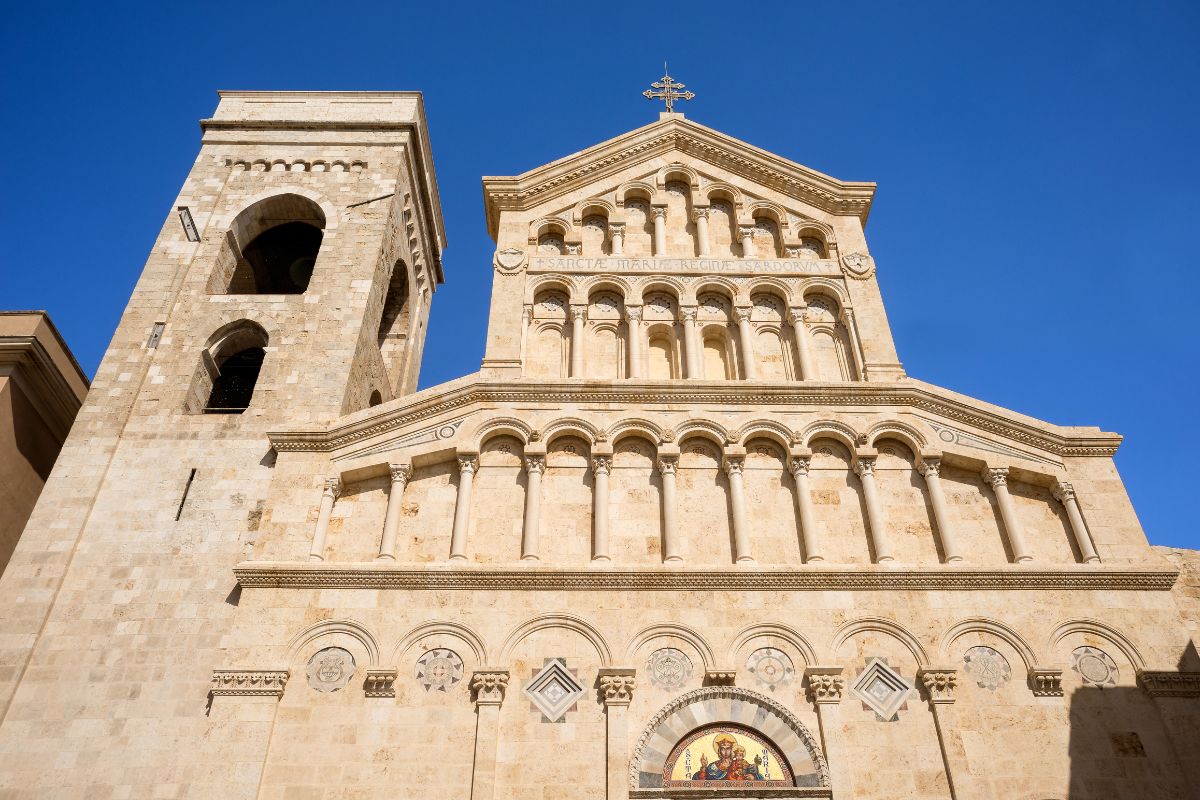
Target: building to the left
<point>41,390</point>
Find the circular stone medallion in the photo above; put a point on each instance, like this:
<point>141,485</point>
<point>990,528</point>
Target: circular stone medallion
<point>770,667</point>
<point>1095,667</point>
<point>330,669</point>
<point>669,668</point>
<point>438,670</point>
<point>988,667</point>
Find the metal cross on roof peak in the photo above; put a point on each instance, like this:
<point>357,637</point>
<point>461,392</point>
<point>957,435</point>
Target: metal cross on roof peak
<point>667,91</point>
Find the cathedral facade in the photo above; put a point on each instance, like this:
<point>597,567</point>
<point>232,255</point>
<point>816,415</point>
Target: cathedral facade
<point>690,531</point>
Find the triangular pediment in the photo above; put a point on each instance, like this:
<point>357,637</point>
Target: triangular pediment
<point>673,133</point>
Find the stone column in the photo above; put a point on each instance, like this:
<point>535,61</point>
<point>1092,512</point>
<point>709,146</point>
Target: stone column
<point>701,216</point>
<point>666,467</point>
<point>691,343</point>
<point>940,683</point>
<point>998,480</point>
<point>737,507</point>
<point>391,522</point>
<point>660,231</point>
<point>865,467</point>
<point>534,467</point>
<point>633,324</point>
<point>930,468</point>
<point>489,687</point>
<point>825,688</point>
<point>1065,494</point>
<point>329,493</point>
<point>468,463</point>
<point>578,315</point>
<point>617,685</point>
<point>616,232</point>
<point>746,339</point>
<point>600,469</point>
<point>808,370</point>
<point>798,466</point>
<point>746,232</point>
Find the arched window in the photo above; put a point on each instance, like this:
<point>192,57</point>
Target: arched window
<point>229,369</point>
<point>376,399</point>
<point>271,248</point>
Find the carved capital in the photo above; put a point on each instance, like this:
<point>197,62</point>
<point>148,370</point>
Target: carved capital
<point>667,466</point>
<point>617,686</point>
<point>745,231</point>
<point>700,213</point>
<point>535,465</point>
<point>660,212</point>
<point>1164,683</point>
<point>687,313</point>
<point>1063,492</point>
<point>825,684</point>
<point>995,477</point>
<point>332,487</point>
<point>864,465</point>
<point>616,228</point>
<point>467,465</point>
<point>601,465</point>
<point>743,313</point>
<point>488,686</point>
<point>734,465</point>
<point>578,313</point>
<point>380,683</point>
<point>526,313</point>
<point>930,467</point>
<point>939,683</point>
<point>798,465</point>
<point>796,315</point>
<point>633,314</point>
<point>401,473</point>
<point>572,249</point>
<point>1045,681</point>
<point>249,682</point>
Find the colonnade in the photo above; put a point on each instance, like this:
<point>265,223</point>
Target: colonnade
<point>692,345</point>
<point>733,464</point>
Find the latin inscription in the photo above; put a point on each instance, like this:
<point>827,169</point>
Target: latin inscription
<point>699,266</point>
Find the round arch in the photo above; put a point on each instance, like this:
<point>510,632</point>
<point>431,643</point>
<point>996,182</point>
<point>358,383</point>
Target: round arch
<point>330,627</point>
<point>880,625</point>
<point>1102,629</point>
<point>563,621</point>
<point>442,628</point>
<point>672,630</point>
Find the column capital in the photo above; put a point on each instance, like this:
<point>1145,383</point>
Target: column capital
<point>578,312</point>
<point>939,683</point>
<point>795,315</point>
<point>601,464</point>
<point>660,211</point>
<point>930,466</point>
<point>995,476</point>
<point>1045,681</point>
<point>745,230</point>
<point>700,212</point>
<point>617,684</point>
<point>633,313</point>
<point>617,228</point>
<point>535,464</point>
<point>825,684</point>
<point>668,464</point>
<point>489,686</point>
<point>742,313</point>
<point>468,463</point>
<point>687,313</point>
<point>798,465</point>
<point>864,465</point>
<point>1063,492</point>
<point>733,465</point>
<point>332,486</point>
<point>400,472</point>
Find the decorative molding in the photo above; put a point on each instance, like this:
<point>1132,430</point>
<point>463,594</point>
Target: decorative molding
<point>617,685</point>
<point>954,436</point>
<point>825,684</point>
<point>801,395</point>
<point>720,677</point>
<point>488,686</point>
<point>939,683</point>
<point>1045,681</point>
<point>858,266</point>
<point>510,259</point>
<point>315,165</point>
<point>385,575</point>
<point>441,431</point>
<point>380,683</point>
<point>1169,683</point>
<point>249,682</point>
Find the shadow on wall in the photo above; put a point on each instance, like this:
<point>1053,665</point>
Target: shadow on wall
<point>1125,743</point>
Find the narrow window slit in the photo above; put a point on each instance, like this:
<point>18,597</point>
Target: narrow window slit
<point>186,488</point>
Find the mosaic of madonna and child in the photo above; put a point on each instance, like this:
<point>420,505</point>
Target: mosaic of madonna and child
<point>725,756</point>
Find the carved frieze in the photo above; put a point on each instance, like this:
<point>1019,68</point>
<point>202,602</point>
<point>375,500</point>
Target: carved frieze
<point>249,682</point>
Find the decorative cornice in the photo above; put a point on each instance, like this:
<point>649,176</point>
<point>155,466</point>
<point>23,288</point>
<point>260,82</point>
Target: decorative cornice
<point>617,685</point>
<point>489,686</point>
<point>826,684</point>
<point>939,683</point>
<point>1167,683</point>
<point>1045,681</point>
<point>249,682</point>
<point>806,395</point>
<point>380,683</point>
<point>377,575</point>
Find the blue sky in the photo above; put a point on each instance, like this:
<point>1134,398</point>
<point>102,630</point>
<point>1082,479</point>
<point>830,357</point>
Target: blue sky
<point>1037,164</point>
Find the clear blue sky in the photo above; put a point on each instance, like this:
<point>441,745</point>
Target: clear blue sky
<point>1037,164</point>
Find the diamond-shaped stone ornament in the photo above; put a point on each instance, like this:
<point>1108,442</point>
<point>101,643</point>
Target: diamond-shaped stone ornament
<point>882,688</point>
<point>554,689</point>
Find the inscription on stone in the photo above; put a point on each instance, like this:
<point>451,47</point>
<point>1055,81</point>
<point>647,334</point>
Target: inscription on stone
<point>698,266</point>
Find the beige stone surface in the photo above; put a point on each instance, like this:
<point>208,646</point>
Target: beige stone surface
<point>691,470</point>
